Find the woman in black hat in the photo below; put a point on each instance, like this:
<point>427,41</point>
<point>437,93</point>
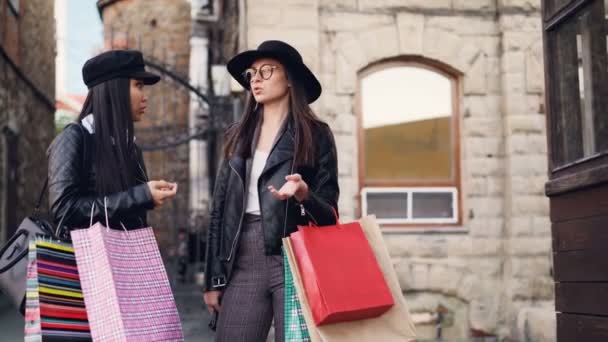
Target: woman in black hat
<point>97,157</point>
<point>279,171</point>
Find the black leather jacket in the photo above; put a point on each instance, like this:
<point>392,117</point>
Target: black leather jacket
<point>278,218</point>
<point>72,185</point>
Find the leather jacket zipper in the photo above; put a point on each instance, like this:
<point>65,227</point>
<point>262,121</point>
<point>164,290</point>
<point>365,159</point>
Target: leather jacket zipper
<point>238,231</point>
<point>305,212</point>
<point>142,172</point>
<point>287,201</point>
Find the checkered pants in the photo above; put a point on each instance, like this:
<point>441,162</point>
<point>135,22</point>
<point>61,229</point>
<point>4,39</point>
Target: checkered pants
<point>255,292</point>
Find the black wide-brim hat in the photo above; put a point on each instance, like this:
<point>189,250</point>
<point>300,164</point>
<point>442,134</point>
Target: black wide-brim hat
<point>114,64</point>
<point>284,53</point>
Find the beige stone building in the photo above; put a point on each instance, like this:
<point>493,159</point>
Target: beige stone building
<point>27,106</point>
<point>438,111</point>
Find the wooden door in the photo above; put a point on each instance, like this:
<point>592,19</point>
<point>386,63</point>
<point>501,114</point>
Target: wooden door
<point>576,66</point>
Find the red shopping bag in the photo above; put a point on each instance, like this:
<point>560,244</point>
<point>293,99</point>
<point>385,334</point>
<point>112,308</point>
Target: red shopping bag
<point>342,278</point>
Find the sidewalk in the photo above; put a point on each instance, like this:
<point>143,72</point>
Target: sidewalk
<point>190,306</point>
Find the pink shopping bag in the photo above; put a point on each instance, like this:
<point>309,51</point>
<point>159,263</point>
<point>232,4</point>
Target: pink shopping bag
<point>125,285</point>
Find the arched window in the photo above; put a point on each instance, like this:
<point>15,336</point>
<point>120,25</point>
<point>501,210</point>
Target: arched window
<point>409,151</point>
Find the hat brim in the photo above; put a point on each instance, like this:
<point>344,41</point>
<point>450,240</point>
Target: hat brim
<point>239,63</point>
<point>147,77</point>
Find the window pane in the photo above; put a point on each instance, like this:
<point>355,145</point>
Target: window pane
<point>407,122</point>
<point>387,205</point>
<point>432,205</point>
<point>579,97</point>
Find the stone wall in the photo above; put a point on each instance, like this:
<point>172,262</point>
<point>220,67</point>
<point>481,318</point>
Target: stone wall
<point>162,33</point>
<point>27,92</point>
<point>492,269</point>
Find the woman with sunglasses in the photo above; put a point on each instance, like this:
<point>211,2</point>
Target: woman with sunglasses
<point>279,171</point>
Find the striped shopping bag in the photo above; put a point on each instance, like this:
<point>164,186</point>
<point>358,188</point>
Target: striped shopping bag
<point>295,326</point>
<point>54,306</point>
<point>125,285</point>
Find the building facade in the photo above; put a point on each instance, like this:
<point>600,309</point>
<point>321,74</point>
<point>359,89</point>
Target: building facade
<point>27,95</point>
<point>438,112</point>
<point>161,30</point>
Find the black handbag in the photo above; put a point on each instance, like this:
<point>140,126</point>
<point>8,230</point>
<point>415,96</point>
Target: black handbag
<point>13,255</point>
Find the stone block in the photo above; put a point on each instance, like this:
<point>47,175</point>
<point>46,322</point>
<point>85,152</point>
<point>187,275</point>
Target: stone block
<point>477,187</point>
<point>525,123</point>
<point>530,205</point>
<point>482,106</point>
<point>483,313</point>
<point>527,144</point>
<point>409,4</point>
<point>482,127</point>
<point>534,289</point>
<point>351,21</point>
<point>526,165</point>
<point>475,80</point>
<point>467,287</point>
<point>490,207</point>
<point>485,166</point>
<point>490,267</point>
<point>445,279</point>
<point>420,276</point>
<point>338,4</point>
<point>535,80</point>
<point>487,227</point>
<point>474,5</point>
<point>441,45</point>
<point>380,42</point>
<point>530,226</point>
<point>531,266</point>
<point>536,324</point>
<point>517,22</point>
<point>529,246</point>
<point>534,185</point>
<point>404,275</point>
<point>521,5</point>
<point>411,33</point>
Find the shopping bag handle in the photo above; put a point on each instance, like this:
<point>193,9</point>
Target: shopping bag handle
<point>105,207</point>
<point>312,224</point>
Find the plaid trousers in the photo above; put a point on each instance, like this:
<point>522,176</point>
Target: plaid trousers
<point>255,292</point>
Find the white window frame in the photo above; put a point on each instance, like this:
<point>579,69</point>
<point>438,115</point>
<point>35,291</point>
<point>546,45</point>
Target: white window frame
<point>409,191</point>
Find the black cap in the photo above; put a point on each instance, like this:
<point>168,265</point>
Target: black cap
<point>116,63</point>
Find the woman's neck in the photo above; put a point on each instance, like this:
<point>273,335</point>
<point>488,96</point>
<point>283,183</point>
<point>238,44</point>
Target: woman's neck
<point>275,112</point>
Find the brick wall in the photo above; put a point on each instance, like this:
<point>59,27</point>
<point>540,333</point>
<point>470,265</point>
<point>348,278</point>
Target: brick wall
<point>27,92</point>
<point>162,32</point>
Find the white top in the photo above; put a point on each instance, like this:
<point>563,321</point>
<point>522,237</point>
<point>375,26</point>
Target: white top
<point>257,166</point>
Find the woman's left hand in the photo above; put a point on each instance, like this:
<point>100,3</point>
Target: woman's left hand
<point>294,187</point>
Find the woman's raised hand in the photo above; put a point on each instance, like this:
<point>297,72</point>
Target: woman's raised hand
<point>162,191</point>
<point>294,186</point>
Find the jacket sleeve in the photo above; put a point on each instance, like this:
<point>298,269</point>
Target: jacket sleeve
<point>215,272</point>
<point>67,175</point>
<point>323,191</point>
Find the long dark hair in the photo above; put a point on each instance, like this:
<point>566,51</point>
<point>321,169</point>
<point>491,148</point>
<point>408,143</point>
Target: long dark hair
<point>303,119</point>
<point>114,165</point>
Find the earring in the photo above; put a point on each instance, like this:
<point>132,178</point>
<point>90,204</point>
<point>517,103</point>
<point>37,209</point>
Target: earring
<point>256,106</point>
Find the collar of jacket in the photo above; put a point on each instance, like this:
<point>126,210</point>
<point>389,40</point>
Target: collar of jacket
<point>282,149</point>
<point>89,124</point>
